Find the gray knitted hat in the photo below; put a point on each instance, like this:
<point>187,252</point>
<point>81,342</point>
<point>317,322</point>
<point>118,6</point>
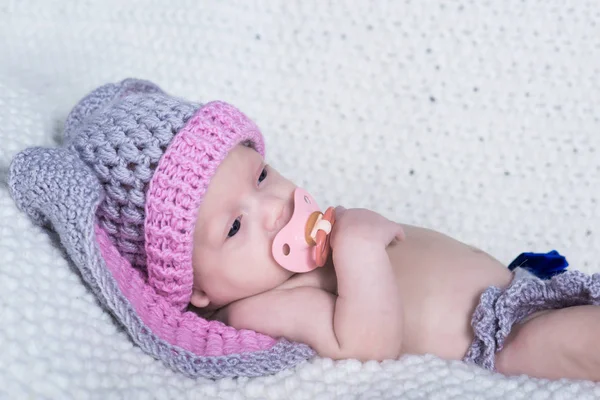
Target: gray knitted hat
<point>123,194</point>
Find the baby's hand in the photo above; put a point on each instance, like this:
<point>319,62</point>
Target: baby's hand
<point>358,226</point>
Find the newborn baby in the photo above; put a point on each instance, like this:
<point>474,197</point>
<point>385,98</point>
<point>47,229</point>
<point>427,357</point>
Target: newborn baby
<point>174,220</point>
<point>388,289</point>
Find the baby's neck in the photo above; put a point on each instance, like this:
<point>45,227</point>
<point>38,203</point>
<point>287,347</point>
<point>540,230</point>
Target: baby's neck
<point>207,313</point>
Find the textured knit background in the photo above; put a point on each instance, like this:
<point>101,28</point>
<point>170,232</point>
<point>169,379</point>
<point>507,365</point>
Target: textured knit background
<point>479,119</point>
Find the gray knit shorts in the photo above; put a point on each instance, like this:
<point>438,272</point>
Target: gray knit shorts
<point>498,310</point>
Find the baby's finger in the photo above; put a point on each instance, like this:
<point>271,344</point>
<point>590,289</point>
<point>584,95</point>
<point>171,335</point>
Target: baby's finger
<point>339,210</point>
<point>400,235</point>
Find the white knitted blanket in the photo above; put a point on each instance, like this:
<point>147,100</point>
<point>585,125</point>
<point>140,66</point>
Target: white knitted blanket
<point>478,119</point>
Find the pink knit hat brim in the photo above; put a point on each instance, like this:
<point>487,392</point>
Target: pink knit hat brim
<point>177,189</point>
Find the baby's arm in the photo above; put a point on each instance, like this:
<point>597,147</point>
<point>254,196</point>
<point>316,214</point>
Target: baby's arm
<point>368,311</point>
<point>364,321</point>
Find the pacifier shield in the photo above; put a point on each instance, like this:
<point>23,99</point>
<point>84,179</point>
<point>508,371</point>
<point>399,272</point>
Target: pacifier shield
<point>291,247</point>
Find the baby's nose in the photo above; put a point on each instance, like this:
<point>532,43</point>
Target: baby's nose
<point>272,211</point>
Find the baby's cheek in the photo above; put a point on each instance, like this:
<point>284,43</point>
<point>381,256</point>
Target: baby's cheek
<point>198,261</point>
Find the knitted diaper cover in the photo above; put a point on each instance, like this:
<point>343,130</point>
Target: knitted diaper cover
<point>498,310</point>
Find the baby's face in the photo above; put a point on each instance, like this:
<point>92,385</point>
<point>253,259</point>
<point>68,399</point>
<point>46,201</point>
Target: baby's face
<point>246,205</point>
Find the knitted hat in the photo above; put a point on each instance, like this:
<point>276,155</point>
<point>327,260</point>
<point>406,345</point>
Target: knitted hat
<point>123,193</point>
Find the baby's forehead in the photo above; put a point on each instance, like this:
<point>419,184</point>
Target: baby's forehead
<point>237,162</point>
<point>238,166</point>
<point>244,149</point>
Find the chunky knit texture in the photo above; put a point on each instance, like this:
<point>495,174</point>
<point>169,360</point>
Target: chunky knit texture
<point>121,131</point>
<point>498,310</point>
<point>133,172</point>
<point>154,164</point>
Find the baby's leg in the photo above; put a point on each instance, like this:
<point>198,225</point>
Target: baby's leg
<point>555,344</point>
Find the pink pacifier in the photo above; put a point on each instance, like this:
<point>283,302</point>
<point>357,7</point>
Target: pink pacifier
<point>303,244</point>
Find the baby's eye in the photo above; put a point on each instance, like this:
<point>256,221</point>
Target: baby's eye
<point>235,227</point>
<point>263,175</point>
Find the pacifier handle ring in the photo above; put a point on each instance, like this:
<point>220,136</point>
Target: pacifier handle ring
<point>323,239</point>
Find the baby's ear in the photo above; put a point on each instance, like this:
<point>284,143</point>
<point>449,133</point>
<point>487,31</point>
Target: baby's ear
<point>199,298</point>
